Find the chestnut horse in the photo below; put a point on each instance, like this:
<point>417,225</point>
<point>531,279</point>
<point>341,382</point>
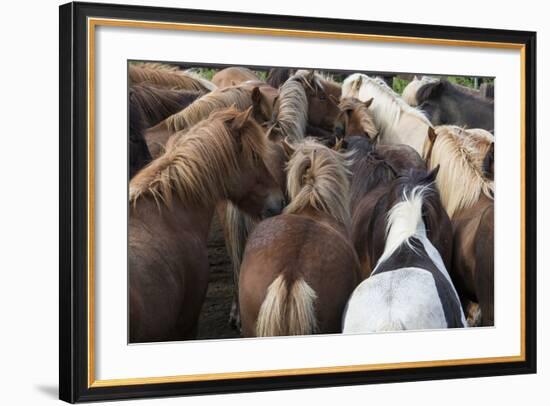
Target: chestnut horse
<point>172,201</point>
<point>242,97</point>
<point>233,76</point>
<point>299,268</point>
<point>465,181</point>
<point>410,288</point>
<point>355,119</point>
<point>170,78</point>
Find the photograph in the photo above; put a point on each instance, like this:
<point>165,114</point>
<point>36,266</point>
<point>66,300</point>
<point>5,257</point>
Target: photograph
<point>283,201</point>
<point>258,202</point>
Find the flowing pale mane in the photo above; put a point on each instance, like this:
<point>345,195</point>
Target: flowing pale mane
<point>318,177</point>
<point>365,115</point>
<point>460,154</point>
<point>290,119</point>
<point>387,107</point>
<point>167,78</point>
<point>201,108</point>
<point>199,167</point>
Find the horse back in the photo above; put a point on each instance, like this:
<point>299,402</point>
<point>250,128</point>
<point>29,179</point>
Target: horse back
<point>296,247</point>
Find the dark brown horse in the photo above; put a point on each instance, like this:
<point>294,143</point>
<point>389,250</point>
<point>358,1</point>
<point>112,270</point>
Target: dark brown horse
<point>292,281</point>
<point>172,202</point>
<point>375,170</point>
<point>446,103</point>
<point>148,105</point>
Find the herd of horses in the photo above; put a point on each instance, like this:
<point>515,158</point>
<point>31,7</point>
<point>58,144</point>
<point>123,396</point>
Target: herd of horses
<point>345,207</point>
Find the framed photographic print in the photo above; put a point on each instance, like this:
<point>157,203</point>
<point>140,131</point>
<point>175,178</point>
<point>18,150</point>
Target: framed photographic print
<point>256,202</point>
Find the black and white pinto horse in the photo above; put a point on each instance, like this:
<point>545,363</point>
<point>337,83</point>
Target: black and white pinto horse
<point>409,289</point>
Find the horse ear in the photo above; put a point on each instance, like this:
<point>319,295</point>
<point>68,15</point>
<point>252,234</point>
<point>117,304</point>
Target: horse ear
<point>416,78</point>
<point>334,99</point>
<point>288,147</point>
<point>432,175</point>
<point>339,145</point>
<point>369,102</point>
<point>432,135</point>
<point>358,83</point>
<point>488,162</point>
<point>240,119</point>
<point>256,96</point>
<point>429,90</point>
<point>273,135</point>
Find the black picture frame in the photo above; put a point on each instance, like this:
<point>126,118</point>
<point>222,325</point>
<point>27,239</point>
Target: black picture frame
<point>74,200</point>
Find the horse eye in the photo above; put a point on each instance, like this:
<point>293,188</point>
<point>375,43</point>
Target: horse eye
<point>322,96</point>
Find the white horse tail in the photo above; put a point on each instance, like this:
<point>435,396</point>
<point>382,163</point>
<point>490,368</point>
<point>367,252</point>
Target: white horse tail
<point>287,310</point>
<point>391,325</point>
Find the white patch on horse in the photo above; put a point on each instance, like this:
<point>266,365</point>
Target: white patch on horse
<point>405,298</point>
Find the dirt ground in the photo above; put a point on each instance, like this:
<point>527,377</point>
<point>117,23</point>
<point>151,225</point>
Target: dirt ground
<point>215,310</point>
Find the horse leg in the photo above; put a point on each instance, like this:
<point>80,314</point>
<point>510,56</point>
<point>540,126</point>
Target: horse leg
<point>484,273</point>
<point>234,314</point>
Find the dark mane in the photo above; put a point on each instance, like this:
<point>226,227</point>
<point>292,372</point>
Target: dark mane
<point>369,169</point>
<point>154,104</point>
<point>428,90</point>
<point>139,154</point>
<point>277,76</point>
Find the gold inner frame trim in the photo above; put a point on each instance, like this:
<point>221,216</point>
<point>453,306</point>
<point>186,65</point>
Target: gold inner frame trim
<point>94,22</point>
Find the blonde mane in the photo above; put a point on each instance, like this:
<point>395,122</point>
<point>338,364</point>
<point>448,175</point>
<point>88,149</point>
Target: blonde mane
<point>387,108</point>
<point>201,108</point>
<point>202,166</point>
<point>292,115</point>
<point>174,79</point>
<point>318,177</point>
<point>366,117</point>
<point>460,154</point>
<point>409,93</point>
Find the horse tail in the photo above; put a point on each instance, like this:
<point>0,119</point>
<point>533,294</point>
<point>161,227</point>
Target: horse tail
<point>287,310</point>
<point>391,325</point>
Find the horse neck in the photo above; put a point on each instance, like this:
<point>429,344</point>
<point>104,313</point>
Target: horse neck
<point>174,219</point>
<point>410,130</point>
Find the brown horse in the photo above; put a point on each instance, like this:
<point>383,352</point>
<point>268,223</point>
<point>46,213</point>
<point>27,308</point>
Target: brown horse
<point>355,119</point>
<point>305,106</point>
<point>242,97</point>
<point>148,105</point>
<point>375,169</point>
<point>466,158</point>
<point>157,103</point>
<point>233,76</point>
<point>299,268</point>
<point>173,79</point>
<point>172,202</point>
<point>277,76</point>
